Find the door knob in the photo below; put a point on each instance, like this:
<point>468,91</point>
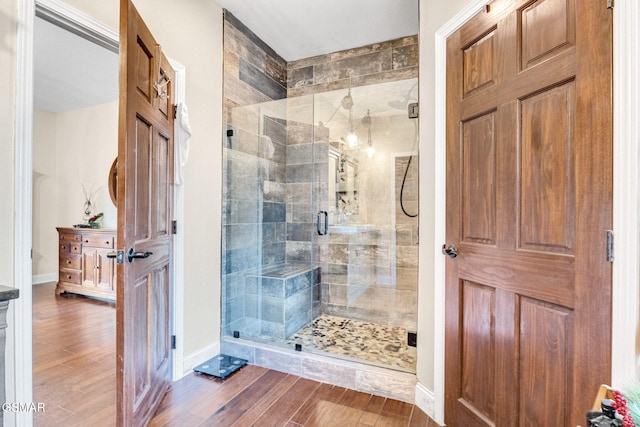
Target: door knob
<point>450,251</point>
<point>133,255</point>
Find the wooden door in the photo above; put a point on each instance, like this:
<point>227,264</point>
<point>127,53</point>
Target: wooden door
<point>145,163</point>
<point>529,203</point>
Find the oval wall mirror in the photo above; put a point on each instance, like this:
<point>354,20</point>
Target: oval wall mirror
<point>113,182</point>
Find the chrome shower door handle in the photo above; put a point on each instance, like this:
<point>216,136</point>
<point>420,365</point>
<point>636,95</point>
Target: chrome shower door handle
<point>450,251</point>
<point>322,231</point>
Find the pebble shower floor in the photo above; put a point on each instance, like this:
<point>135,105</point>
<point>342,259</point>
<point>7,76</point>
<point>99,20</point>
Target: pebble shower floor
<point>386,345</point>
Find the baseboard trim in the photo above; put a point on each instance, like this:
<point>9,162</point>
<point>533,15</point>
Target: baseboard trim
<point>194,359</point>
<point>425,400</point>
<point>44,278</point>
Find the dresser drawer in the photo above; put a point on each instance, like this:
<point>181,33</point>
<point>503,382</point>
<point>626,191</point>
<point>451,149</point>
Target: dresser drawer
<point>70,248</point>
<point>70,261</point>
<point>75,248</point>
<point>98,241</point>
<point>70,277</point>
<point>68,237</point>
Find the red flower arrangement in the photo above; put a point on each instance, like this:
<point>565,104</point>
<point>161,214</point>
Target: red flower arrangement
<point>620,403</point>
<point>95,218</point>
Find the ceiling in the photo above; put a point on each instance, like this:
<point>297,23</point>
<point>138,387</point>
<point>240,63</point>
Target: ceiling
<point>71,72</point>
<point>298,29</point>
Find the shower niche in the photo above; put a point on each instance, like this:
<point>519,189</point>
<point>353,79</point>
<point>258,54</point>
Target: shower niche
<point>350,293</point>
<point>342,186</point>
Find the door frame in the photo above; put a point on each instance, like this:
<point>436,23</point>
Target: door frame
<point>19,331</point>
<point>626,99</point>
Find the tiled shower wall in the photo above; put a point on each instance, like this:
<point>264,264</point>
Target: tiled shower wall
<point>255,157</point>
<point>269,214</point>
<point>377,63</point>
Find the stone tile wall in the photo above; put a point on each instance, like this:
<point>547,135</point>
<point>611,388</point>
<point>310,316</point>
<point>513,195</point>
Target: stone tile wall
<point>381,62</point>
<point>253,72</point>
<point>254,169</point>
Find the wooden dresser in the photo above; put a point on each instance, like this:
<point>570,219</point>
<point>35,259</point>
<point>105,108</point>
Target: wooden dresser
<point>83,264</point>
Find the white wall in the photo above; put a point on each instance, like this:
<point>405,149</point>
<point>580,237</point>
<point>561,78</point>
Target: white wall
<point>193,37</point>
<point>71,149</point>
<point>86,145</point>
<point>45,197</point>
<point>433,15</point>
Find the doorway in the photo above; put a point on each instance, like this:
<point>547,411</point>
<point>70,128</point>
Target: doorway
<point>89,31</point>
<point>75,126</point>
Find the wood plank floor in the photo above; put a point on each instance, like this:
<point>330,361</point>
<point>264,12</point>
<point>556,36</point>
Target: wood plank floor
<point>74,376</point>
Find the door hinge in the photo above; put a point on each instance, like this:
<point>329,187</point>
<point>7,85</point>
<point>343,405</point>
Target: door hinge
<point>175,111</point>
<point>412,339</point>
<point>174,227</point>
<point>173,342</point>
<point>412,110</point>
<point>610,4</point>
<point>609,246</point>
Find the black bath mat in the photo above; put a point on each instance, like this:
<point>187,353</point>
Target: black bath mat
<point>220,366</point>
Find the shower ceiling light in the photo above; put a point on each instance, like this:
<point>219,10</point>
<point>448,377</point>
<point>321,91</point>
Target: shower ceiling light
<point>352,140</point>
<point>371,152</point>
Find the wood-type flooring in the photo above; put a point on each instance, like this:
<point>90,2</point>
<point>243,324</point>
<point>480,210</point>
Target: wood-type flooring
<point>74,377</point>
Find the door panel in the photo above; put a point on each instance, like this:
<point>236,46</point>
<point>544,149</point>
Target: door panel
<point>478,352</point>
<point>479,165</point>
<point>544,347</point>
<point>145,184</point>
<point>547,27</point>
<point>529,142</point>
<point>547,178</point>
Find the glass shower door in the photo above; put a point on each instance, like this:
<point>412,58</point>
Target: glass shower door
<point>368,260</point>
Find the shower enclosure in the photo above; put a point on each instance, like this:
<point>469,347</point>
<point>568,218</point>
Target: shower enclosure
<point>320,239</point>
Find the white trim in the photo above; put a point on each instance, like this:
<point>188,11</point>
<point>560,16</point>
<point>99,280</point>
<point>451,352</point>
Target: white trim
<point>44,278</point>
<point>22,389</point>
<point>77,22</point>
<point>440,197</point>
<point>178,245</point>
<point>202,355</point>
<point>425,399</point>
<point>626,136</point>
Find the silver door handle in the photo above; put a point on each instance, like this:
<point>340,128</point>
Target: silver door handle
<point>450,251</point>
